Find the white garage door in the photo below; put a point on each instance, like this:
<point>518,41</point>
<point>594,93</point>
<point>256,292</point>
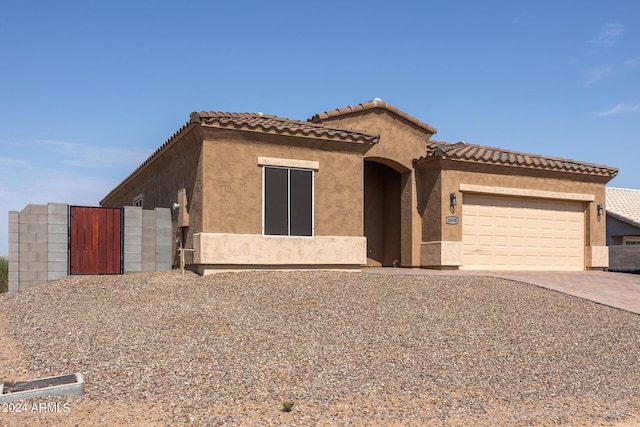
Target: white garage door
<point>511,233</point>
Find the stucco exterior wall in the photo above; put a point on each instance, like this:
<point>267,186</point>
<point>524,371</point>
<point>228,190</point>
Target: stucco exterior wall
<point>220,170</point>
<point>215,251</point>
<point>180,166</point>
<point>401,142</point>
<point>232,199</point>
<point>439,178</point>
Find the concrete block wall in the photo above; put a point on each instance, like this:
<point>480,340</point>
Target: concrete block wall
<point>14,248</point>
<point>164,240</point>
<point>624,258</point>
<point>33,253</point>
<point>39,243</point>
<point>147,239</point>
<point>58,240</point>
<point>132,239</point>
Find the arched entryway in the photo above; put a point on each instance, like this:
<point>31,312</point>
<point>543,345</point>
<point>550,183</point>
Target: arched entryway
<point>382,213</point>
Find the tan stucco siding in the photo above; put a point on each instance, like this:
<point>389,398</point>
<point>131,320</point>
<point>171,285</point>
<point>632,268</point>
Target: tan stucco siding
<point>233,183</point>
<point>451,180</point>
<point>400,141</point>
<point>439,178</point>
<point>429,191</point>
<point>180,166</point>
<point>160,180</point>
<point>256,249</point>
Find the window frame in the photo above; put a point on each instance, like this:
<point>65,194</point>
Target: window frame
<point>138,201</point>
<point>313,200</point>
<point>627,239</point>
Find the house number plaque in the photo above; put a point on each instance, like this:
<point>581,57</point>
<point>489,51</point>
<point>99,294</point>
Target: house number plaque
<point>452,220</point>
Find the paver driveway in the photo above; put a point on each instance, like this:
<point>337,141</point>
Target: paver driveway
<point>620,290</point>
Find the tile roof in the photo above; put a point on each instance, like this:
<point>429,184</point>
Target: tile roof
<point>269,123</point>
<point>624,204</point>
<point>463,151</point>
<point>373,104</point>
<point>255,121</point>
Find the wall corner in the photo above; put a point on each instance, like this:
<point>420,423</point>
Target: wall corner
<point>441,254</point>
<point>597,257</point>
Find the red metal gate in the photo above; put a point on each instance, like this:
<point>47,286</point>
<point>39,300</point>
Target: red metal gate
<point>95,240</point>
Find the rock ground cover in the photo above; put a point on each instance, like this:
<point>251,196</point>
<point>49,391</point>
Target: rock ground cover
<point>346,348</point>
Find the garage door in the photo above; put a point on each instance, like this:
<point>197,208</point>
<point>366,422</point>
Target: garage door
<point>510,233</point>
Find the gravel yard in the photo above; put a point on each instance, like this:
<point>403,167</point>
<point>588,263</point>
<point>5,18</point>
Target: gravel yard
<point>347,348</point>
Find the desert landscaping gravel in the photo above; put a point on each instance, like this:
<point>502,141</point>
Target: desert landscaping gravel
<point>346,348</point>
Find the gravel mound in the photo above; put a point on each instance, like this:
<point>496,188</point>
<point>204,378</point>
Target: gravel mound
<point>346,348</point>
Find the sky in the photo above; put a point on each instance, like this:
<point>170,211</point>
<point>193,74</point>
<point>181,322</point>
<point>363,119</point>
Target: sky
<point>88,90</point>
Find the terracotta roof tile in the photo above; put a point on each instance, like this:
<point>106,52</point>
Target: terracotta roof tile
<point>267,122</point>
<point>462,151</point>
<point>373,104</point>
<point>263,122</point>
<point>624,204</point>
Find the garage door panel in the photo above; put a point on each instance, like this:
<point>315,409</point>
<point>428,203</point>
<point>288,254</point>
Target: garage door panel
<point>510,233</point>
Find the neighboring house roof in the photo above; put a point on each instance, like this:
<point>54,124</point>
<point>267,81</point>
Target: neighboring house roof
<point>269,123</point>
<point>465,152</point>
<point>375,103</point>
<point>624,204</point>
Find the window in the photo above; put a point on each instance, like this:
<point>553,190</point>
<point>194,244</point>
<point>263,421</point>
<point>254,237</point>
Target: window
<point>137,201</point>
<point>631,241</point>
<point>287,201</point>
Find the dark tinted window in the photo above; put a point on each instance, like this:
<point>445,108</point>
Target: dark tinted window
<point>288,202</point>
<point>301,202</point>
<point>276,201</point>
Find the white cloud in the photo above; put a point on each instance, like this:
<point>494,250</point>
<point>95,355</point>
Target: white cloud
<point>92,156</point>
<point>8,162</point>
<point>631,63</point>
<point>607,37</point>
<point>38,172</point>
<point>20,187</point>
<point>620,109</point>
<point>597,73</point>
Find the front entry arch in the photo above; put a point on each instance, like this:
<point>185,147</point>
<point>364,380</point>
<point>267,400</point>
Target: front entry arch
<point>382,213</point>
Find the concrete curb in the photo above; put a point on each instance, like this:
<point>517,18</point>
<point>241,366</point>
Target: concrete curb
<point>63,385</point>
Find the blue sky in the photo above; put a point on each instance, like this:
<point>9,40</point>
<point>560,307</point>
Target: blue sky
<point>89,89</point>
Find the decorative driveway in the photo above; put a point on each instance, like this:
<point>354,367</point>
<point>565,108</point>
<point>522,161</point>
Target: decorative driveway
<point>620,290</point>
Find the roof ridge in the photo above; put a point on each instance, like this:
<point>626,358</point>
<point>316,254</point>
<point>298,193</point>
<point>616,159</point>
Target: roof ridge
<point>623,189</point>
<point>198,116</point>
<point>375,103</point>
<point>494,155</point>
<point>270,123</point>
<point>454,147</point>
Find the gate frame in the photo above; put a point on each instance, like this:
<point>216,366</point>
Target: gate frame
<point>121,217</point>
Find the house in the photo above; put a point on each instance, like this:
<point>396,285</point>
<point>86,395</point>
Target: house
<point>623,228</point>
<point>623,216</point>
<point>365,185</point>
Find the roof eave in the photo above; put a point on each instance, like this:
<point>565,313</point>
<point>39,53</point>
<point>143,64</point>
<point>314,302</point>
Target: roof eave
<point>596,171</point>
<point>623,218</point>
<point>325,135</point>
<point>149,160</point>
